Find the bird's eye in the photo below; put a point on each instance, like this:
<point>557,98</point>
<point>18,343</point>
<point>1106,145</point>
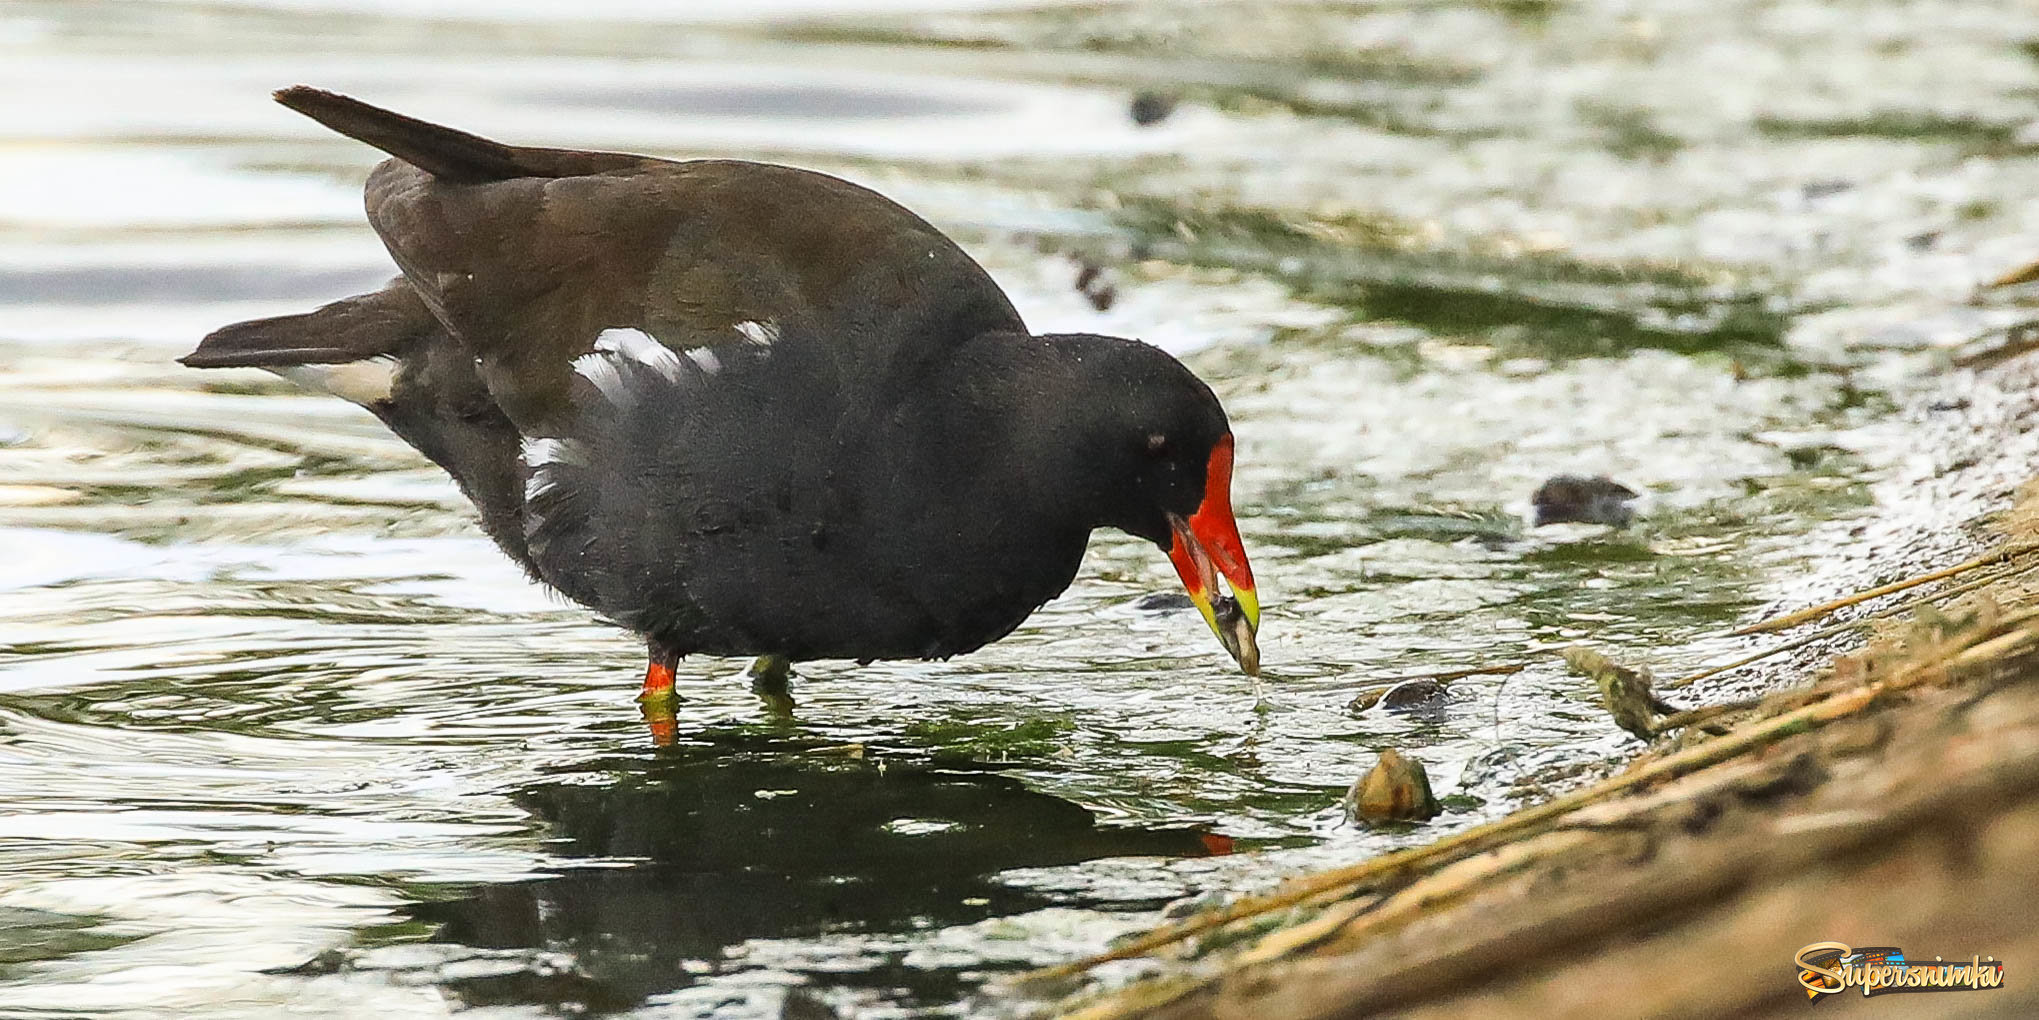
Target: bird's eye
<point>1157,445</point>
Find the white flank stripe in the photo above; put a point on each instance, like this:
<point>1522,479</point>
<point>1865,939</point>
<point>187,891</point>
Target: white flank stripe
<point>638,346</point>
<point>536,485</point>
<point>597,368</point>
<point>705,358</point>
<point>763,334</point>
<point>540,452</point>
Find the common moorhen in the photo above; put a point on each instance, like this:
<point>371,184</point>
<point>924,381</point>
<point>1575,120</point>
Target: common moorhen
<point>746,409</point>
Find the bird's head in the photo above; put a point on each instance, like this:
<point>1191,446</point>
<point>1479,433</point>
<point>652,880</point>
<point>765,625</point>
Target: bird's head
<point>1157,451</point>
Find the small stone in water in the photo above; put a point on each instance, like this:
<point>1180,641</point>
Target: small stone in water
<point>1094,282</point>
<point>1395,790</point>
<point>1408,696</point>
<point>1151,107</point>
<point>803,1004</point>
<point>331,961</point>
<point>1365,700</point>
<point>1191,905</point>
<point>1162,601</point>
<point>1413,695</point>
<point>1573,499</point>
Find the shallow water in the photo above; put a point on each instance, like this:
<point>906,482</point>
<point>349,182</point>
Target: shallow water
<point>280,732</point>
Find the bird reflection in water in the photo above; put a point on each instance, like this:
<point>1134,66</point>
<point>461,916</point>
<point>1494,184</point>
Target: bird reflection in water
<point>742,846</point>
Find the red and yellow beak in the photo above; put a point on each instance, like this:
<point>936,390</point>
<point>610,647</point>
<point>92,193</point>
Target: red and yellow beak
<point>1206,546</point>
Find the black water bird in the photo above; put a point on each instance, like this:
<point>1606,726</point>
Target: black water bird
<point>746,409</point>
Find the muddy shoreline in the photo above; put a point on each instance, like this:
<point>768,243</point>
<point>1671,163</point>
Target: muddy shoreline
<point>1882,793</point>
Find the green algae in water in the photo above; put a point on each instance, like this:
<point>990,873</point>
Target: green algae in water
<point>1531,303</point>
<point>29,936</point>
<point>1971,133</point>
<point>989,740</point>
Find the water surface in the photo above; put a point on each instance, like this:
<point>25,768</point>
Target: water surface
<point>280,732</point>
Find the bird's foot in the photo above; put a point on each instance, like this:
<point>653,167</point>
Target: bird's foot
<point>768,680</point>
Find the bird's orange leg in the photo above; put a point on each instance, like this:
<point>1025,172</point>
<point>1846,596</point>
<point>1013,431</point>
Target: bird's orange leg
<point>657,699</point>
<point>658,681</point>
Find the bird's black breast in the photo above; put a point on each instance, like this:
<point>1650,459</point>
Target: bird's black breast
<point>735,497</point>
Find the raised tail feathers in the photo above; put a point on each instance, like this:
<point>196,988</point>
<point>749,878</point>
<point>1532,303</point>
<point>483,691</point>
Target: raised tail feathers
<point>446,153</point>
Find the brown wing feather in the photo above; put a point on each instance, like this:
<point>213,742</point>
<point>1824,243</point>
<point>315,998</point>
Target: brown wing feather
<point>527,254</point>
<point>529,271</point>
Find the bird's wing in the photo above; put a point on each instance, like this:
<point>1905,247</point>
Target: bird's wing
<point>528,254</point>
<point>529,271</point>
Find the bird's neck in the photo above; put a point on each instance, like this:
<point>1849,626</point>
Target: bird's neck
<point>970,488</point>
<point>1014,426</point>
